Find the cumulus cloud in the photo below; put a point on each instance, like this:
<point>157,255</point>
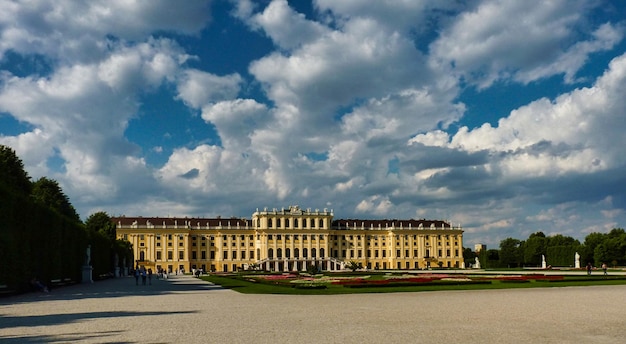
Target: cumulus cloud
<point>484,45</point>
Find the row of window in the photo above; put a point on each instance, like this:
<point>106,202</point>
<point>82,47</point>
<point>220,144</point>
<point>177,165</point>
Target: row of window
<point>277,223</point>
<point>305,254</point>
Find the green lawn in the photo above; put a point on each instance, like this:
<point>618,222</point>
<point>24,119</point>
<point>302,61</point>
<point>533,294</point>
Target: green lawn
<point>242,285</point>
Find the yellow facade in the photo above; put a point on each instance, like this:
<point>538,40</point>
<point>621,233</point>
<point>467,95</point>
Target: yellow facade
<point>290,239</point>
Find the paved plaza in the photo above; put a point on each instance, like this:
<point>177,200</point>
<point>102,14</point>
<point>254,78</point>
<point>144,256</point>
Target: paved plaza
<point>184,309</point>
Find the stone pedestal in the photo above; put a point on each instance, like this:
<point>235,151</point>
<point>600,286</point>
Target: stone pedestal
<point>87,274</point>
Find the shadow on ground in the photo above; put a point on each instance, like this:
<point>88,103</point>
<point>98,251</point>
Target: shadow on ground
<point>116,287</point>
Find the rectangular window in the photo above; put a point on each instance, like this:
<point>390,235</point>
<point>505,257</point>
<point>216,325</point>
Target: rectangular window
<point>170,255</point>
<point>203,254</point>
<point>158,244</point>
<point>406,253</point>
<point>181,255</point>
<point>251,254</point>
<point>225,255</point>
<point>384,253</point>
<point>243,254</point>
<point>414,253</point>
<point>234,255</point>
<point>158,255</point>
<point>212,255</point>
<point>397,253</point>
<point>193,255</point>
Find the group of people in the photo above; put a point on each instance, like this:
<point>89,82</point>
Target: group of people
<point>144,274</point>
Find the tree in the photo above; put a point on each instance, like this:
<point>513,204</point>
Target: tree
<point>510,252</point>
<point>354,266</point>
<point>48,192</point>
<point>561,240</point>
<point>469,256</point>
<point>12,173</point>
<point>592,240</point>
<point>534,247</point>
<point>101,222</point>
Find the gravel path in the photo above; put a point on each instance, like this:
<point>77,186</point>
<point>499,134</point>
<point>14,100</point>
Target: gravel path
<point>184,309</point>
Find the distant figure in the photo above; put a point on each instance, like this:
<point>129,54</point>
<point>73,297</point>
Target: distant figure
<point>589,267</point>
<point>37,284</point>
<point>150,276</point>
<point>577,260</point>
<point>604,267</point>
<point>136,276</point>
<point>143,276</point>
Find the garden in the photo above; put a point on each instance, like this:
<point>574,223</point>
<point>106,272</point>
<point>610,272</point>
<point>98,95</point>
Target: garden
<point>381,282</point>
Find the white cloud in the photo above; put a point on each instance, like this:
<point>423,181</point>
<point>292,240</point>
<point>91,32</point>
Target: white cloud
<point>277,16</point>
<point>197,88</point>
<point>484,45</point>
<point>75,31</point>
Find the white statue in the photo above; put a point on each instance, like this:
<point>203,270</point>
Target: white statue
<point>543,261</point>
<point>476,263</point>
<point>577,260</point>
<point>88,256</point>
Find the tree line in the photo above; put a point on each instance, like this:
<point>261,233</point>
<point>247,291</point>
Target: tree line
<point>558,250</point>
<point>42,235</point>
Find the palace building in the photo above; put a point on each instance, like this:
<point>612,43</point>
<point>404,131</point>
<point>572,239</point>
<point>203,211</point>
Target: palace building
<point>291,239</point>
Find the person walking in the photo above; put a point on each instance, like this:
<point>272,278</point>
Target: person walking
<point>150,276</point>
<point>136,276</point>
<point>143,276</point>
<point>589,267</point>
<point>604,267</point>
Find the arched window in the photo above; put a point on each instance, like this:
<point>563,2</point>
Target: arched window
<point>287,253</point>
<point>279,253</point>
<point>296,253</point>
<point>277,223</point>
<point>286,223</point>
<point>295,223</point>
<point>270,253</point>
<point>142,256</point>
<point>321,223</point>
<point>313,253</point>
<point>322,252</point>
<point>305,253</point>
<point>269,223</point>
<point>303,223</point>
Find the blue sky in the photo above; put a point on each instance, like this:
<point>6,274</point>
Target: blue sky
<point>506,117</point>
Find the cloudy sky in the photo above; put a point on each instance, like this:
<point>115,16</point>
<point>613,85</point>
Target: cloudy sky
<point>506,117</point>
